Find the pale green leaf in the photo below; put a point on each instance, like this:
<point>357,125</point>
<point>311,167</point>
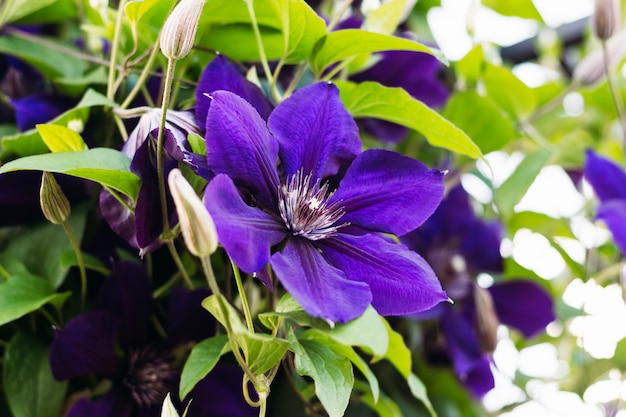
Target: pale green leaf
<point>370,99</point>
<point>261,351</point>
<point>304,28</point>
<point>331,373</point>
<point>343,44</point>
<point>419,391</point>
<point>517,8</point>
<point>508,92</point>
<point>29,386</point>
<point>386,18</point>
<point>398,354</point>
<point>13,10</point>
<point>201,361</point>
<point>60,138</point>
<point>136,9</point>
<point>515,187</point>
<point>367,331</point>
<point>106,166</point>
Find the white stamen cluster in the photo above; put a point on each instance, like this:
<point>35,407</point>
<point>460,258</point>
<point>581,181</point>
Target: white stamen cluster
<point>305,210</point>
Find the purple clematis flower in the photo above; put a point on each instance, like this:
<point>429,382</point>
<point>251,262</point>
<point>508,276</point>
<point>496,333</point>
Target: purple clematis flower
<point>459,246</point>
<point>609,183</point>
<point>114,341</point>
<point>318,216</point>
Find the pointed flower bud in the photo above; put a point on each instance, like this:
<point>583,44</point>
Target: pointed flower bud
<point>180,29</point>
<point>54,204</point>
<point>606,18</point>
<point>196,223</point>
<point>168,409</point>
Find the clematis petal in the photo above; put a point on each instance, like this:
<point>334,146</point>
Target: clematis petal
<point>470,364</point>
<point>239,145</point>
<point>480,247</point>
<point>219,394</point>
<point>321,289</point>
<point>400,280</point>
<point>606,177</point>
<point>116,402</point>
<point>613,213</point>
<point>316,133</point>
<point>86,345</point>
<point>220,74</point>
<point>388,192</point>
<point>524,305</point>
<point>127,292</point>
<point>247,233</point>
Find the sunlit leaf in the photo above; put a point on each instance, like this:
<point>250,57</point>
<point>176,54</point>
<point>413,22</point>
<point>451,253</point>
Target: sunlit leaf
<point>395,105</point>
<point>60,138</point>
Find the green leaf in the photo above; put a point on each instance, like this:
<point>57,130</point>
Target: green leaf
<point>41,255</point>
<point>237,41</point>
<point>540,223</point>
<point>350,353</point>
<point>367,331</point>
<point>514,187</point>
<point>60,138</point>
<point>509,92</point>
<point>386,18</point>
<point>398,354</point>
<point>56,11</point>
<point>619,358</point>
<point>419,391</point>
<point>30,388</point>
<point>136,9</point>
<point>13,10</point>
<point>69,259</point>
<point>108,167</point>
<point>384,406</point>
<point>22,294</point>
<point>201,361</point>
<point>302,27</point>
<point>49,61</point>
<point>261,351</point>
<point>518,8</point>
<point>331,373</point>
<point>30,142</point>
<point>289,308</point>
<point>370,99</point>
<point>471,66</point>
<point>343,44</point>
<point>481,120</point>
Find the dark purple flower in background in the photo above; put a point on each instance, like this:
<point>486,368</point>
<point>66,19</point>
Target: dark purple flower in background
<point>609,183</point>
<point>459,246</point>
<point>319,216</point>
<point>114,341</point>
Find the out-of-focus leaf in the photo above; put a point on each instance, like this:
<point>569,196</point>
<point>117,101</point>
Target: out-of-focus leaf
<point>518,8</point>
<point>69,259</point>
<point>540,223</point>
<point>343,44</point>
<point>481,120</point>
<point>23,294</point>
<point>60,138</point>
<point>29,386</point>
<point>384,406</point>
<point>619,359</point>
<point>41,255</point>
<point>136,9</point>
<point>332,373</point>
<point>237,41</point>
<point>386,18</point>
<point>508,92</point>
<point>471,66</point>
<point>418,389</point>
<point>47,60</point>
<point>56,11</point>
<point>370,99</point>
<point>12,10</point>
<point>106,166</point>
<point>201,361</point>
<point>30,142</point>
<point>398,354</point>
<point>516,186</point>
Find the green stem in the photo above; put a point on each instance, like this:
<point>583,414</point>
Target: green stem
<point>337,18</point>
<point>49,318</point>
<point>242,295</point>
<point>114,49</point>
<point>142,78</point>
<point>296,79</point>
<point>81,263</point>
<point>158,293</point>
<point>275,95</point>
<point>179,264</point>
<point>615,94</point>
<point>171,65</point>
<point>259,42</point>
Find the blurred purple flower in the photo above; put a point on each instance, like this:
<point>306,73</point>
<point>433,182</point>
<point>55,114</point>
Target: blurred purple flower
<point>319,216</point>
<point>459,246</point>
<point>113,341</point>
<point>609,183</point>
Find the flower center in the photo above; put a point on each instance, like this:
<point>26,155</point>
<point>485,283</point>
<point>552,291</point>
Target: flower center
<point>150,376</point>
<point>305,209</point>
